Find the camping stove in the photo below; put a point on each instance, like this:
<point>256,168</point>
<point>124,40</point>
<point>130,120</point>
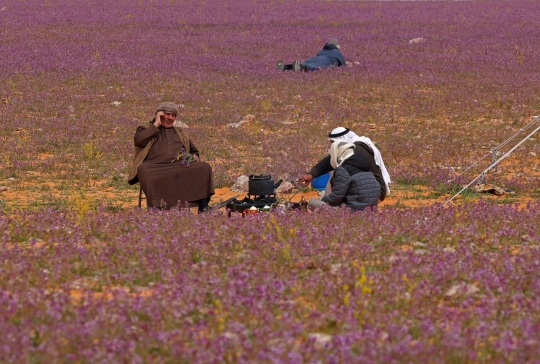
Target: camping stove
<point>261,193</point>
<point>257,201</point>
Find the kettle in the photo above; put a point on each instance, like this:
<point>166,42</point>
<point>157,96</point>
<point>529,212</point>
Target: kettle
<point>262,185</point>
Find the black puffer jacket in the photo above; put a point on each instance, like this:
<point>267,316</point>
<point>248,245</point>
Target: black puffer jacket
<point>324,166</point>
<point>354,184</point>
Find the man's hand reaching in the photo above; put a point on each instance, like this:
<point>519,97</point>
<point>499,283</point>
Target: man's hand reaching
<point>305,180</point>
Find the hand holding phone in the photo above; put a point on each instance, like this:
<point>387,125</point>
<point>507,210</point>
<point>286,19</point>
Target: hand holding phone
<point>159,119</point>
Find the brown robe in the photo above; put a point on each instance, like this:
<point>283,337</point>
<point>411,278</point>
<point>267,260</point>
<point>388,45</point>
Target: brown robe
<point>164,183</point>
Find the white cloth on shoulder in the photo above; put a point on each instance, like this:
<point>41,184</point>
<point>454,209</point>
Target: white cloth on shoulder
<point>339,152</point>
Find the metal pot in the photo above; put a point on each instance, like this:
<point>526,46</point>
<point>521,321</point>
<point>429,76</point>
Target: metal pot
<point>262,185</point>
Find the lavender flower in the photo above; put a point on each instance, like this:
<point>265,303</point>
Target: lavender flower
<point>184,158</point>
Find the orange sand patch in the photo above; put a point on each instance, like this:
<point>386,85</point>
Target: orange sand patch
<point>26,245</point>
<point>515,251</point>
<point>21,192</point>
<point>109,293</point>
<point>37,189</point>
<point>43,156</point>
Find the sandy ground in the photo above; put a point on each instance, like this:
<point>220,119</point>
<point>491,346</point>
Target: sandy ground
<point>410,196</point>
<point>37,194</point>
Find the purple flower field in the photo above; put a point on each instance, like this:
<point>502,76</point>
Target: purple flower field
<point>78,78</point>
<point>444,285</point>
<point>435,84</point>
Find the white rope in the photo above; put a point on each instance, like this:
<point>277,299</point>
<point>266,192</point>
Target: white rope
<point>494,150</point>
<point>493,164</point>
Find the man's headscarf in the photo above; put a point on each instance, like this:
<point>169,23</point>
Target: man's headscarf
<point>339,152</point>
<point>333,41</point>
<point>167,107</point>
<point>345,134</point>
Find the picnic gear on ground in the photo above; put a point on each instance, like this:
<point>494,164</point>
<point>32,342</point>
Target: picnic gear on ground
<point>261,194</point>
<point>262,185</point>
<point>320,182</point>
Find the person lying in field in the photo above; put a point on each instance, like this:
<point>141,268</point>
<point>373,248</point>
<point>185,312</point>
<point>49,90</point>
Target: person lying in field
<point>364,146</point>
<point>329,56</point>
<point>353,183</point>
<point>167,163</point>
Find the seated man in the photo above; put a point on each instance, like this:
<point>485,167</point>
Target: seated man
<point>353,183</point>
<point>365,146</point>
<point>166,184</point>
<point>329,56</point>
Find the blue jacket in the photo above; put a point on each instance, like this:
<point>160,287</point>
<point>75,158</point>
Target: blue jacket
<point>329,56</point>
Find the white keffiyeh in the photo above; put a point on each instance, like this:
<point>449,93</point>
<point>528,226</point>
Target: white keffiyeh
<point>339,152</point>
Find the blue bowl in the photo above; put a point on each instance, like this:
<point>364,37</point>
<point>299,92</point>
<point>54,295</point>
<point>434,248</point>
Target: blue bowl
<point>320,182</point>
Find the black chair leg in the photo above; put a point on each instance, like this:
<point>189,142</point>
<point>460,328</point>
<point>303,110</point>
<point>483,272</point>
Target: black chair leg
<point>141,197</point>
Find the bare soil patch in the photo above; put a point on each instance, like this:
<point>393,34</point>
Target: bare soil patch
<point>30,194</point>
